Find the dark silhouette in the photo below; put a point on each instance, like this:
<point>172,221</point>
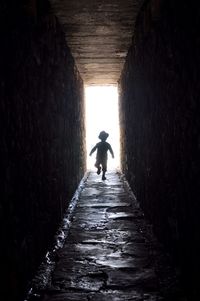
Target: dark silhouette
<point>102,157</point>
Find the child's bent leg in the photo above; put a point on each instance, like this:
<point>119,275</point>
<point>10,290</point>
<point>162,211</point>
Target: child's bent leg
<point>97,165</point>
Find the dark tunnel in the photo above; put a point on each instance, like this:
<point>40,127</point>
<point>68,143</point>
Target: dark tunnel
<point>43,153</point>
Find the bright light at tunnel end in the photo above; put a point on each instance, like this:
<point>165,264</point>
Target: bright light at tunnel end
<point>102,114</point>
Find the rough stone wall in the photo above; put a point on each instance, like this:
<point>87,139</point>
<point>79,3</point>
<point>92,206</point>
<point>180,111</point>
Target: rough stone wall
<point>159,105</point>
<point>42,140</point>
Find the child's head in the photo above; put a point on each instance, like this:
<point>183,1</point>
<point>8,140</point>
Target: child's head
<point>103,136</point>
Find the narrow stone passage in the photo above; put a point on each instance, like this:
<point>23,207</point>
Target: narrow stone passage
<point>110,252</point>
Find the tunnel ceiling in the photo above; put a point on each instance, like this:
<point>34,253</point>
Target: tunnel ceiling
<point>99,34</point>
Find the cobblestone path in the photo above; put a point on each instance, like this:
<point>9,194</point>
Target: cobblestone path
<point>110,253</point>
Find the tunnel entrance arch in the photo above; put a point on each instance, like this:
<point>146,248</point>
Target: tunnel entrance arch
<point>102,113</point>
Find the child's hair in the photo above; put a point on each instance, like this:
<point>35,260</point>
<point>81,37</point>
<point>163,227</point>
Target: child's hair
<point>103,135</point>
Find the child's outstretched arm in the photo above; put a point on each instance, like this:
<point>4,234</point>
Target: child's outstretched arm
<point>93,150</point>
<point>111,151</point>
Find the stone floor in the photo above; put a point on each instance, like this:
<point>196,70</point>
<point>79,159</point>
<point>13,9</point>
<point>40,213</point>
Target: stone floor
<point>110,253</point>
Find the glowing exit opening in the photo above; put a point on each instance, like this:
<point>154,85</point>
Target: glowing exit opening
<point>102,114</point>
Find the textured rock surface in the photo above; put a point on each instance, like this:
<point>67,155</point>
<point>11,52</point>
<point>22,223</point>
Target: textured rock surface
<point>159,91</point>
<point>99,34</point>
<point>42,141</point>
<point>110,252</point>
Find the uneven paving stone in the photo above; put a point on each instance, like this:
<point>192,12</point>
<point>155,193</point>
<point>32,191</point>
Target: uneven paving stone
<point>110,252</point>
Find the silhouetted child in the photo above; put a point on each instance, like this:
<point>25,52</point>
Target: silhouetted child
<point>102,157</point>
